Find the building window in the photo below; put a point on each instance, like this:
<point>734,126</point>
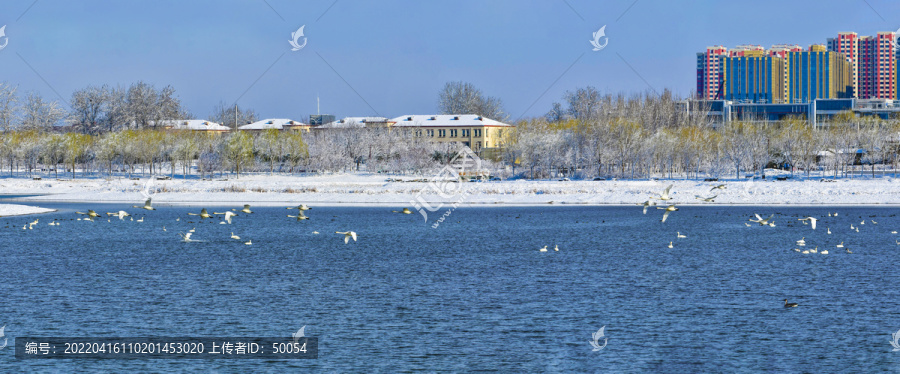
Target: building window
<point>442,133</point>
<point>477,145</point>
<point>430,133</point>
<point>477,132</point>
<point>453,133</point>
<point>465,133</point>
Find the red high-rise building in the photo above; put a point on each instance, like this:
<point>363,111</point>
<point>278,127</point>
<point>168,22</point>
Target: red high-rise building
<point>848,44</point>
<point>709,73</point>
<point>877,63</point>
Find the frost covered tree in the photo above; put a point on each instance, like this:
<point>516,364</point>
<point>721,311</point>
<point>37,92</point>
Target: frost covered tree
<point>40,114</point>
<point>584,103</point>
<point>463,98</point>
<point>232,116</point>
<point>8,106</point>
<point>89,105</point>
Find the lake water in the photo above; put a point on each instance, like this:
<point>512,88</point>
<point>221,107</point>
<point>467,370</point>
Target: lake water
<point>473,294</point>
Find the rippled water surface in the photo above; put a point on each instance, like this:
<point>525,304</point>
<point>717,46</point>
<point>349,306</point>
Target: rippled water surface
<point>473,294</point>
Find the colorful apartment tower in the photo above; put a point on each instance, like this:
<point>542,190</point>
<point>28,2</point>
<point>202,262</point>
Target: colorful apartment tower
<point>877,66</point>
<point>781,51</point>
<point>753,76</point>
<point>708,74</point>
<point>745,50</point>
<point>786,74</point>
<point>847,43</point>
<point>818,74</point>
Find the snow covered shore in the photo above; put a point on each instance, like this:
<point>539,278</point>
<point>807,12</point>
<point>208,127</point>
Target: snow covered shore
<point>364,189</point>
<point>7,210</point>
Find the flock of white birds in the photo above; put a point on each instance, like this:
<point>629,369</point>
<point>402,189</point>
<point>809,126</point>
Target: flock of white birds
<point>768,221</point>
<point>187,237</point>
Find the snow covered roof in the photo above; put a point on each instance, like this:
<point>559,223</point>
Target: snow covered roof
<point>194,124</point>
<point>271,123</point>
<point>446,120</point>
<point>354,122</point>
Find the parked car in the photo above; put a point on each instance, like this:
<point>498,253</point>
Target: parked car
<point>564,180</point>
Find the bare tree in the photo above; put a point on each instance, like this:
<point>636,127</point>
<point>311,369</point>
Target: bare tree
<point>584,103</point>
<point>463,98</point>
<point>89,105</point>
<point>147,107</point>
<point>38,114</point>
<point>232,116</point>
<point>8,106</point>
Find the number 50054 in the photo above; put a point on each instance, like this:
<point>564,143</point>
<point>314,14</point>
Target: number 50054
<point>289,347</point>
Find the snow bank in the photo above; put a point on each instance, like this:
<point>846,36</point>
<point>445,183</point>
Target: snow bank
<point>357,189</point>
<point>7,210</point>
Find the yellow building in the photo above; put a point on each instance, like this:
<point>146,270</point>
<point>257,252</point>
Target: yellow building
<point>482,135</point>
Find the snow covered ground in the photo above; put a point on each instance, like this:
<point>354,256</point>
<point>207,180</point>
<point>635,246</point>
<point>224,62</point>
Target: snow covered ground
<point>7,210</point>
<point>363,188</point>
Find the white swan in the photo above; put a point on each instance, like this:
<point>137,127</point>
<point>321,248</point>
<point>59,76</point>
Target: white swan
<point>670,245</point>
<point>347,235</point>
<point>121,214</point>
<point>840,245</point>
<point>228,216</point>
<point>679,235</point>
<point>186,237</point>
<point>812,221</point>
<point>203,214</point>
<point>710,199</point>
<point>90,213</point>
<point>146,205</point>
<point>802,241</point>
<point>299,216</point>
<point>235,237</point>
<point>544,249</point>
<point>647,204</point>
<point>664,196</point>
<point>763,222</point>
<point>247,209</point>
<point>668,209</point>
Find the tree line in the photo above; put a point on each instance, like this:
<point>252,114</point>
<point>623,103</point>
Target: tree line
<point>649,135</point>
<point>588,134</point>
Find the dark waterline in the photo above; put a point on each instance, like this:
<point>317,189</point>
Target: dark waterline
<point>473,294</point>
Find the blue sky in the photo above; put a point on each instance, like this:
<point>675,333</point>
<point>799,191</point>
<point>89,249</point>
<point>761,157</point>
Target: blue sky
<point>391,57</point>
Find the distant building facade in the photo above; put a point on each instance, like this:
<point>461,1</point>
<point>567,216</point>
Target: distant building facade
<point>708,74</point>
<point>320,119</point>
<point>847,66</point>
<point>482,135</point>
